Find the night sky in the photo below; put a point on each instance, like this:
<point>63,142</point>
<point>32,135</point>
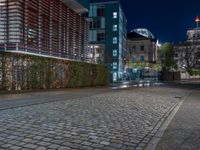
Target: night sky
<point>168,20</point>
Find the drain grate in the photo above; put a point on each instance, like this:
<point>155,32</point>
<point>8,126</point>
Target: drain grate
<point>178,97</point>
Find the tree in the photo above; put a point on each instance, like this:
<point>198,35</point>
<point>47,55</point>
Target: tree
<point>166,54</point>
<point>190,54</point>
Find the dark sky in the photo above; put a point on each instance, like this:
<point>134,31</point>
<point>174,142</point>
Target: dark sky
<point>168,20</point>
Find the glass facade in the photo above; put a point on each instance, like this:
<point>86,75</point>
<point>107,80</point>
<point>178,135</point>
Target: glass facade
<point>112,22</point>
<point>43,27</point>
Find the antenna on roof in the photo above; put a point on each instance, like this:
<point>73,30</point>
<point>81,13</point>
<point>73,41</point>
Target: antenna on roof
<point>197,20</point>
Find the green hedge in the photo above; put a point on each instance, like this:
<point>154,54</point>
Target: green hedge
<point>25,72</point>
<point>194,72</point>
<point>154,66</point>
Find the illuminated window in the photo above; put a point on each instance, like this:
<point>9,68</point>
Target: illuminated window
<point>115,27</point>
<point>114,15</point>
<point>115,53</point>
<point>114,40</point>
<point>115,76</point>
<point>114,65</point>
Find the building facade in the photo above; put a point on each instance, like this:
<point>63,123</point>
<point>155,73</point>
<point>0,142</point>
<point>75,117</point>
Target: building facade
<point>50,28</point>
<point>193,35</point>
<point>107,36</point>
<point>187,53</point>
<point>142,46</point>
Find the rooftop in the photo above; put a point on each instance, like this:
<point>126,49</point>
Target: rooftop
<point>193,29</point>
<point>141,34</point>
<point>106,2</point>
<point>79,6</point>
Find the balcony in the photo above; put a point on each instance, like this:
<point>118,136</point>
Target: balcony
<point>79,6</point>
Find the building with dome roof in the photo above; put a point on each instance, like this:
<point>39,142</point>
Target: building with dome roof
<point>144,32</point>
<point>142,46</point>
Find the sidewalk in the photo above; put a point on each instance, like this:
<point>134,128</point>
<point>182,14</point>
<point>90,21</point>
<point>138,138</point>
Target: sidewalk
<point>183,133</point>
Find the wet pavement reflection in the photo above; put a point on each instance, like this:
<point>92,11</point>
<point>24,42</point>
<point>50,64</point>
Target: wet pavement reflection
<point>140,84</point>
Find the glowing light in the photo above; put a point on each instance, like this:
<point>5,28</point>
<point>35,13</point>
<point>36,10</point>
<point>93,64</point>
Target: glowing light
<point>197,19</point>
<point>96,46</point>
<point>2,4</point>
<point>158,43</point>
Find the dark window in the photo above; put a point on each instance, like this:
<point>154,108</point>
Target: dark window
<point>141,58</point>
<point>133,48</point>
<point>100,12</point>
<point>100,36</point>
<point>91,25</point>
<point>96,24</point>
<point>142,48</point>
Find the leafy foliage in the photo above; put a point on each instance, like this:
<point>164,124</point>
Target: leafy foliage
<point>154,66</point>
<point>166,55</point>
<point>194,72</point>
<point>25,72</point>
<point>102,75</point>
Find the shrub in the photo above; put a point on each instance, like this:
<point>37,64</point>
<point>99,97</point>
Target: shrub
<point>33,72</point>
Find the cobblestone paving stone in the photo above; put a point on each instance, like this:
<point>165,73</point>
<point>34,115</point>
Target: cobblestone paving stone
<point>123,120</point>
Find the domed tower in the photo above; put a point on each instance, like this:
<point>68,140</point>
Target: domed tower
<point>194,34</point>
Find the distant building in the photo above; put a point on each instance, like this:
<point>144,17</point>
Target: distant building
<point>187,53</point>
<point>193,35</point>
<point>107,36</point>
<point>142,46</point>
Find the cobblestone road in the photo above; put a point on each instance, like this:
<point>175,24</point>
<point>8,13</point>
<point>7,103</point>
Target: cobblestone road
<point>123,119</point>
